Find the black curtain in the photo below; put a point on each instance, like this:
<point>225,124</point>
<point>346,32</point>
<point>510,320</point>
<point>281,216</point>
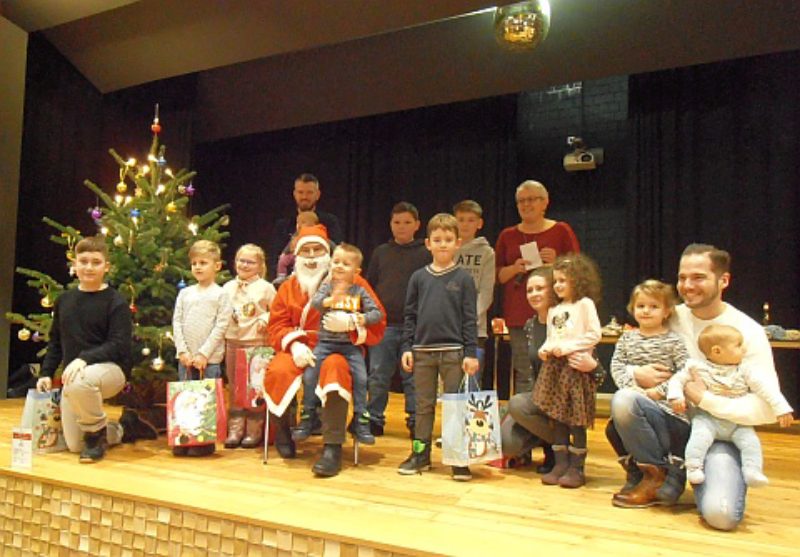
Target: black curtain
<point>716,161</point>
<point>432,157</point>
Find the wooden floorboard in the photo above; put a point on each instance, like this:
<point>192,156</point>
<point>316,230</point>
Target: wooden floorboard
<point>499,512</point>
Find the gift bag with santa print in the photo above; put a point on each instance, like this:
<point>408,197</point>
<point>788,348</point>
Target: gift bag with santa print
<point>248,378</point>
<point>470,428</point>
<point>196,412</point>
<point>42,415</point>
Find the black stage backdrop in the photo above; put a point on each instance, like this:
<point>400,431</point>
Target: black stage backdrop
<point>432,157</point>
<point>714,159</point>
<point>706,153</point>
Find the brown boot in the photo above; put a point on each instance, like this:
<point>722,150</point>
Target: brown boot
<point>254,432</point>
<point>236,421</point>
<point>574,476</point>
<point>644,494</point>
<point>560,467</point>
<point>632,474</point>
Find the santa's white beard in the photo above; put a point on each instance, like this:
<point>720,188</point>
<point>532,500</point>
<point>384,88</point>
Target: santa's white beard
<point>310,271</point>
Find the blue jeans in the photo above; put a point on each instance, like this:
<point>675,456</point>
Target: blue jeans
<point>213,371</point>
<point>384,361</point>
<point>651,435</point>
<point>358,371</point>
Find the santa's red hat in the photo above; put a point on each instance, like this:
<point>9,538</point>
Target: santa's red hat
<point>309,234</point>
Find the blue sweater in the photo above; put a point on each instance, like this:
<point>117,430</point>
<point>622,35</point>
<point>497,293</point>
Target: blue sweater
<point>440,311</point>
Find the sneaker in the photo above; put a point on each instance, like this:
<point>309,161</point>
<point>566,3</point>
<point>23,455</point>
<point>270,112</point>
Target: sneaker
<point>361,431</point>
<point>376,429</point>
<point>94,448</point>
<point>461,473</point>
<point>303,431</point>
<point>418,460</point>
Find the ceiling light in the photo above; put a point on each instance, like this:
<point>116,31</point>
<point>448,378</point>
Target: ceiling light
<point>522,26</point>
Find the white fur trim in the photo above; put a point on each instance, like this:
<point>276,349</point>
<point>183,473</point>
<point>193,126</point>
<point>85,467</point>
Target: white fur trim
<point>289,338</point>
<point>303,240</point>
<point>332,388</point>
<point>280,408</point>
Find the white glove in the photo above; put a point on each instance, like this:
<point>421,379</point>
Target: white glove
<point>44,384</point>
<point>302,355</point>
<point>72,370</point>
<point>338,322</point>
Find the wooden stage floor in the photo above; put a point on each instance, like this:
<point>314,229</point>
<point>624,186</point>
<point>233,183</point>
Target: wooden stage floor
<point>143,501</point>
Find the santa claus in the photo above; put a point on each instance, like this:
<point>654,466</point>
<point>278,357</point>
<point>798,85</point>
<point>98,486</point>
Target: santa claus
<point>292,330</point>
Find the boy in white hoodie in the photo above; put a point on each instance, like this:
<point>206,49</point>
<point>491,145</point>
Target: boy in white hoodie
<point>476,256</point>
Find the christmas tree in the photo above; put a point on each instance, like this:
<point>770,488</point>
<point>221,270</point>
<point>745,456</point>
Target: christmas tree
<point>149,228</point>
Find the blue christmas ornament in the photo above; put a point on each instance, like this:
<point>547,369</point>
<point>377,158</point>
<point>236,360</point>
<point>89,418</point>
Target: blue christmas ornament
<point>161,161</point>
<point>181,284</point>
<point>135,212</point>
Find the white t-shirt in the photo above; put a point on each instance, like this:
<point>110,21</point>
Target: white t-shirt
<point>749,409</point>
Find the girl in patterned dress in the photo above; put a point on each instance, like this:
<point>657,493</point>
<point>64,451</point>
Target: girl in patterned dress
<point>563,393</point>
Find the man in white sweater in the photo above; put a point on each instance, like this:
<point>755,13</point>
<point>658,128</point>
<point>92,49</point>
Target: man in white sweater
<point>656,440</point>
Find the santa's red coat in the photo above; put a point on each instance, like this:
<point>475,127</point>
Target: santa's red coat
<point>287,324</point>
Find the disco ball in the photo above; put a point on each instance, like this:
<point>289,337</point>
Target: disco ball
<point>523,26</point>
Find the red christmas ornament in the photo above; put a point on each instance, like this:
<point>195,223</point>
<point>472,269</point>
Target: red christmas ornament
<point>133,308</point>
<point>156,127</point>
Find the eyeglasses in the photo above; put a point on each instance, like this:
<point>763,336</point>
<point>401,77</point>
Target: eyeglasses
<point>521,200</point>
<point>246,262</point>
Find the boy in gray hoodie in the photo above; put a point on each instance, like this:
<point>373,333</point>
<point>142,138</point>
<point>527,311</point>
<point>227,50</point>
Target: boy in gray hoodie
<point>477,257</point>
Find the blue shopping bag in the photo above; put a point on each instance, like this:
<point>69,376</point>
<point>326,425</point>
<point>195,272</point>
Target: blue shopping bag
<point>470,428</point>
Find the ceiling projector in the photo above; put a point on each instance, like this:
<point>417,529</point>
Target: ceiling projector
<point>581,158</point>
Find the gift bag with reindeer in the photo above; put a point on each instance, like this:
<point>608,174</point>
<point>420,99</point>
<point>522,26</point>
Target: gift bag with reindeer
<point>195,412</point>
<point>42,414</point>
<point>470,428</point>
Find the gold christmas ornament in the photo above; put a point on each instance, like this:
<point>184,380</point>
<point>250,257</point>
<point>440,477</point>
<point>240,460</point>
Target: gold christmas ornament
<point>171,207</point>
<point>46,302</point>
<point>145,351</point>
<point>118,241</point>
<point>122,187</point>
<point>523,26</point>
<point>158,363</point>
<point>24,334</point>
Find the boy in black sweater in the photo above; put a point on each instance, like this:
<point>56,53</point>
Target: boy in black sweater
<point>440,335</point>
<point>390,269</point>
<point>91,335</point>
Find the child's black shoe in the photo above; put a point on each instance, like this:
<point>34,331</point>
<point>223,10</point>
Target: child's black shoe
<point>419,460</point>
<point>303,430</point>
<point>94,448</point>
<point>461,473</point>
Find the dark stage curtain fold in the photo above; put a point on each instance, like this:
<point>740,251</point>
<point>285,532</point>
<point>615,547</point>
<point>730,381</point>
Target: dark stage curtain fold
<point>715,160</point>
<point>432,157</point>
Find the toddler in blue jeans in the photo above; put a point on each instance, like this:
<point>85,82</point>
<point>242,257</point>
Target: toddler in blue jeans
<point>340,294</point>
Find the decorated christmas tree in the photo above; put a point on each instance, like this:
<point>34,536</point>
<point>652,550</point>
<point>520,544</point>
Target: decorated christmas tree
<point>149,227</point>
